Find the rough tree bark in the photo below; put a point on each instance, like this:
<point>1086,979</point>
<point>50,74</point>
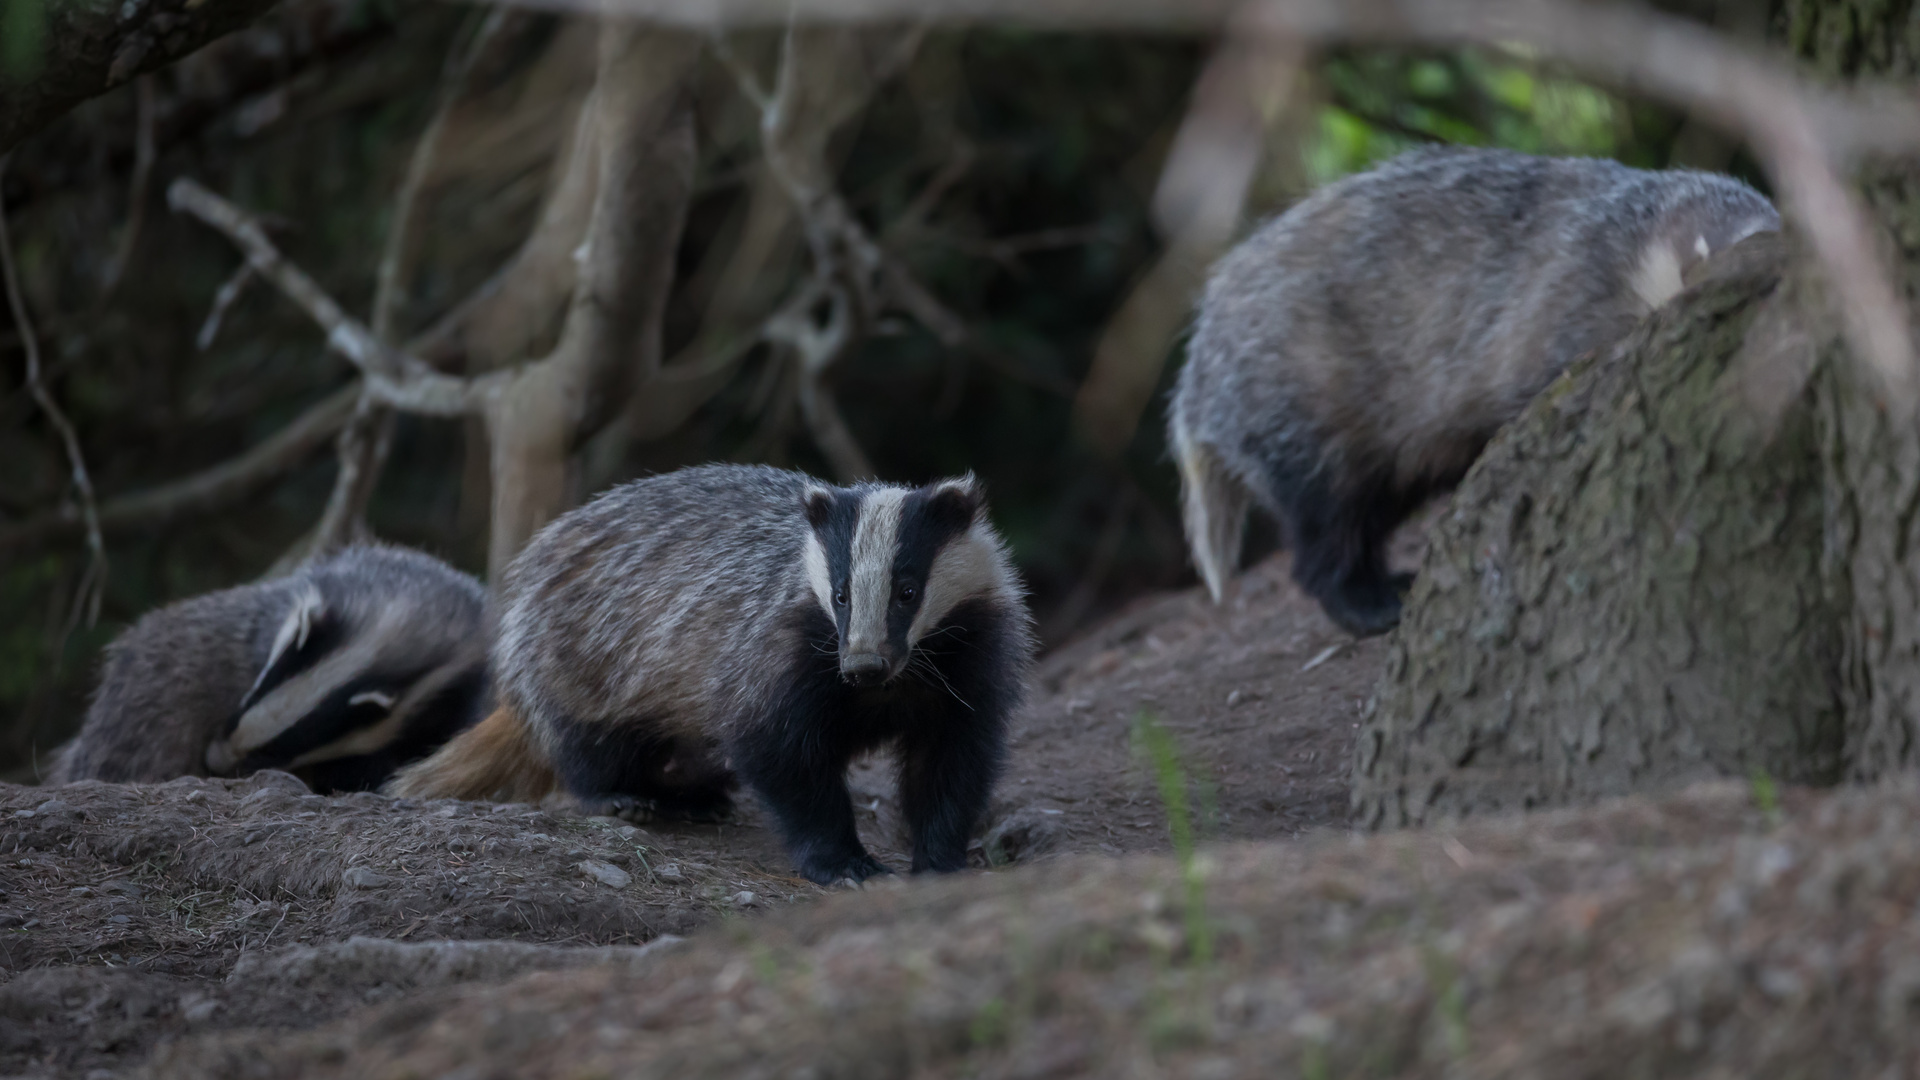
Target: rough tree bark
<point>1692,556</point>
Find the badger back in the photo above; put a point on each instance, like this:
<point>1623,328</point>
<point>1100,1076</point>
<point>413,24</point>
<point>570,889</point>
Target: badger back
<point>376,656</point>
<point>166,686</point>
<point>682,598</point>
<point>1386,325</point>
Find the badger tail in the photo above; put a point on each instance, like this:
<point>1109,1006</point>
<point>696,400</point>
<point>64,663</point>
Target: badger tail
<point>496,760</point>
<point>1213,508</point>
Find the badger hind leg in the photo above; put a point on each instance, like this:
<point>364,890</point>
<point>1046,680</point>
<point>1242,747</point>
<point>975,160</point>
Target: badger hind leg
<point>1339,541</point>
<point>1213,505</point>
<point>633,769</point>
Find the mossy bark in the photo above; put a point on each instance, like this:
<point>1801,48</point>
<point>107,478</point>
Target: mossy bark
<point>1650,578</point>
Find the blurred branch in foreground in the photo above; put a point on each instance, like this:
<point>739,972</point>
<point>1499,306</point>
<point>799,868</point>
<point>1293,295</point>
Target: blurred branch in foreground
<point>1799,132</point>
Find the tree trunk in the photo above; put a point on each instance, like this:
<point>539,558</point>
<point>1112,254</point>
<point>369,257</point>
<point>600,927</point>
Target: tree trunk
<point>1693,556</point>
<point>641,143</point>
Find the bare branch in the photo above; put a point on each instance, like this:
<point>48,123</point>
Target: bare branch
<point>93,583</point>
<point>223,298</point>
<point>143,155</point>
<point>208,490</point>
<point>361,450</point>
<point>453,86</point>
<point>816,345</point>
<point>827,76</point>
<point>498,324</point>
<point>366,439</point>
<point>743,74</point>
<point>394,378</point>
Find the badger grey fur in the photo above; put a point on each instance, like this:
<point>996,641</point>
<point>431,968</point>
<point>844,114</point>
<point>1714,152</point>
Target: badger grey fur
<point>340,672</point>
<point>1355,354</point>
<point>741,621</point>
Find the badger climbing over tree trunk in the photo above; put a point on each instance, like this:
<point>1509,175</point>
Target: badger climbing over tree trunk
<point>340,672</point>
<point>726,621</point>
<point>1354,355</point>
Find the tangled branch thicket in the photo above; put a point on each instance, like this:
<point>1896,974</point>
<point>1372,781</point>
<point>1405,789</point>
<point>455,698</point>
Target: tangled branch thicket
<point>814,267</point>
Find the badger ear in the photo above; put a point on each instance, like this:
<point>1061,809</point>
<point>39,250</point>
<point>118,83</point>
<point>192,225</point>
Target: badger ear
<point>817,504</point>
<point>957,502</point>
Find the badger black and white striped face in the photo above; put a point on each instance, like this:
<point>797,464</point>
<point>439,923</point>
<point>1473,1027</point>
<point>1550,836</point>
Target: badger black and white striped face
<point>889,564</point>
<point>343,683</point>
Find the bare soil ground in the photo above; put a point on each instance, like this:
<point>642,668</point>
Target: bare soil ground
<point>132,917</point>
<point>1716,933</point>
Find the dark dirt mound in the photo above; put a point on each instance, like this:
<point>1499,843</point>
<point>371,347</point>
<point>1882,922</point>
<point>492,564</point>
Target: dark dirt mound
<point>134,915</point>
<point>122,907</point>
<point>1712,933</point>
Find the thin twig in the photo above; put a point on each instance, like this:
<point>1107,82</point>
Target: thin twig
<point>224,298</point>
<point>93,583</point>
<point>364,442</point>
<point>143,155</point>
<point>207,490</point>
<point>743,73</point>
<point>395,377</point>
<point>851,273</point>
<point>453,87</point>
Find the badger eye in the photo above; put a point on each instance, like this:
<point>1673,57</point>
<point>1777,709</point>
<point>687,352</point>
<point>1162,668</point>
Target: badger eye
<point>907,594</point>
<point>840,597</point>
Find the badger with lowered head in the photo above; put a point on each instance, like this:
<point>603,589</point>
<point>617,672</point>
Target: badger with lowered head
<point>741,621</point>
<point>1355,354</point>
<point>340,672</point>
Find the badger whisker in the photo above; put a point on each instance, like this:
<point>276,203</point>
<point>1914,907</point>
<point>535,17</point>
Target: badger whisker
<point>918,662</point>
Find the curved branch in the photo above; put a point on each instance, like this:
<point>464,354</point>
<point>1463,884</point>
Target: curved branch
<point>94,583</point>
<point>393,377</point>
<point>208,490</point>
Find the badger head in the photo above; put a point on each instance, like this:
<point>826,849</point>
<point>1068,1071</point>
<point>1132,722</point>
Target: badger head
<point>889,564</point>
<point>365,662</point>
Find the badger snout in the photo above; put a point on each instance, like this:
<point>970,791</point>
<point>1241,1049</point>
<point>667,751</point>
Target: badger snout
<point>221,760</point>
<point>865,669</point>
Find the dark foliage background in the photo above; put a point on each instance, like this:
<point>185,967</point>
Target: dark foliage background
<point>1041,153</point>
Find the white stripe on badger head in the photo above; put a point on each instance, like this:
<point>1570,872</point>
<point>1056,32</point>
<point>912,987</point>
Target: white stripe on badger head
<point>307,608</point>
<point>818,577</point>
<point>1701,248</point>
<point>876,537</point>
<point>293,700</point>
<point>1656,277</point>
<point>969,565</point>
<point>814,556</point>
<point>381,734</point>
